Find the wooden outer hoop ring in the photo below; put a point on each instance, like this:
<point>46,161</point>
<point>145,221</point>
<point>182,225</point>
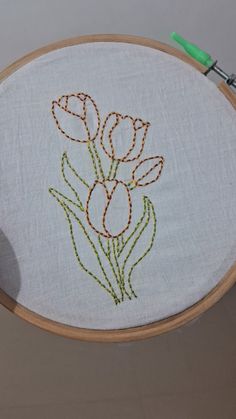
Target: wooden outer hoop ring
<point>151,329</point>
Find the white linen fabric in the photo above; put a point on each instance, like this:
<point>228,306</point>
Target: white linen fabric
<point>193,127</point>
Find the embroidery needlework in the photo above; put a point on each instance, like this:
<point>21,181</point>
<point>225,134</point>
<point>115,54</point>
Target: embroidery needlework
<point>113,249</point>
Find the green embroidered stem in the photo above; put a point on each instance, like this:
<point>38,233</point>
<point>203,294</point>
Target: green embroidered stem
<point>118,244</point>
<point>111,291</point>
<point>150,246</point>
<point>118,268</point>
<point>93,161</point>
<point>132,248</point>
<point>65,158</point>
<point>95,151</point>
<point>136,227</point>
<point>101,245</point>
<point>115,169</point>
<point>108,247</point>
<point>108,256</point>
<point>98,159</point>
<point>51,190</point>
<point>110,170</point>
<point>121,276</point>
<point>114,164</point>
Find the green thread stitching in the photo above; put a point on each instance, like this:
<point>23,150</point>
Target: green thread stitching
<point>133,246</point>
<point>110,169</point>
<point>148,249</point>
<point>98,159</point>
<point>92,155</point>
<point>118,269</point>
<point>67,182</point>
<point>101,245</point>
<point>136,227</point>
<point>116,168</point>
<point>93,161</point>
<point>111,291</point>
<point>121,277</point>
<point>79,260</point>
<point>65,197</point>
<point>108,255</point>
<point>96,253</point>
<point>118,244</point>
<point>108,247</point>
<point>65,157</point>
<point>110,176</point>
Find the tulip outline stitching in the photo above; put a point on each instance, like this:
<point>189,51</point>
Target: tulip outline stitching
<point>146,174</point>
<point>118,116</point>
<point>117,247</point>
<point>82,97</point>
<point>109,196</point>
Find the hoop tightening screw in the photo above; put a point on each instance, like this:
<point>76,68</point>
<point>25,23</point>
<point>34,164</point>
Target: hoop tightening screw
<point>204,58</point>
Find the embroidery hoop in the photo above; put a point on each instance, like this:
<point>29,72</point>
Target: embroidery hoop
<point>151,329</point>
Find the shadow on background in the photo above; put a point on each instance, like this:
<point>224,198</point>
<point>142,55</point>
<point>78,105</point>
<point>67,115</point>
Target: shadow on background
<point>10,280</point>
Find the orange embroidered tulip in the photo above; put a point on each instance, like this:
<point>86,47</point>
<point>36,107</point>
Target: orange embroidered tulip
<point>123,137</point>
<point>148,171</point>
<point>109,208</point>
<point>77,117</point>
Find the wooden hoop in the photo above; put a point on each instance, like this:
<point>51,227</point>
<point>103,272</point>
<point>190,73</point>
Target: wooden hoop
<point>151,329</point>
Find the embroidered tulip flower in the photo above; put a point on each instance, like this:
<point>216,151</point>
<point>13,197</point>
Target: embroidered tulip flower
<point>123,137</point>
<point>147,171</point>
<point>77,117</point>
<point>109,208</point>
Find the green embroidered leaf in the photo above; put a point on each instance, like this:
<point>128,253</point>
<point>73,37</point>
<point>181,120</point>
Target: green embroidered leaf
<point>136,229</point>
<point>65,164</point>
<point>150,245</point>
<point>70,215</point>
<point>144,222</point>
<point>56,194</point>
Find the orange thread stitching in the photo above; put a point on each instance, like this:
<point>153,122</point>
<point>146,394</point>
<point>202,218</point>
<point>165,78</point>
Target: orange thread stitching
<point>83,97</point>
<point>133,141</point>
<point>107,206</point>
<point>109,198</point>
<point>161,163</point>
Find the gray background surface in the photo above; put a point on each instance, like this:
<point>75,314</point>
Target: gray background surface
<point>186,374</point>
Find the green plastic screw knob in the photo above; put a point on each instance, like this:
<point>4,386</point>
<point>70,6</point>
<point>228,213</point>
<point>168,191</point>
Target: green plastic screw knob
<point>193,50</point>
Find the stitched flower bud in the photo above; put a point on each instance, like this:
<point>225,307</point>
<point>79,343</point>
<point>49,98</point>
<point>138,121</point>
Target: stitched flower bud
<point>109,208</point>
<point>147,171</point>
<point>123,137</point>
<point>77,117</point>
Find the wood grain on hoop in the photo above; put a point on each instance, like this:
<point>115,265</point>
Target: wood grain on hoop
<point>151,329</point>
